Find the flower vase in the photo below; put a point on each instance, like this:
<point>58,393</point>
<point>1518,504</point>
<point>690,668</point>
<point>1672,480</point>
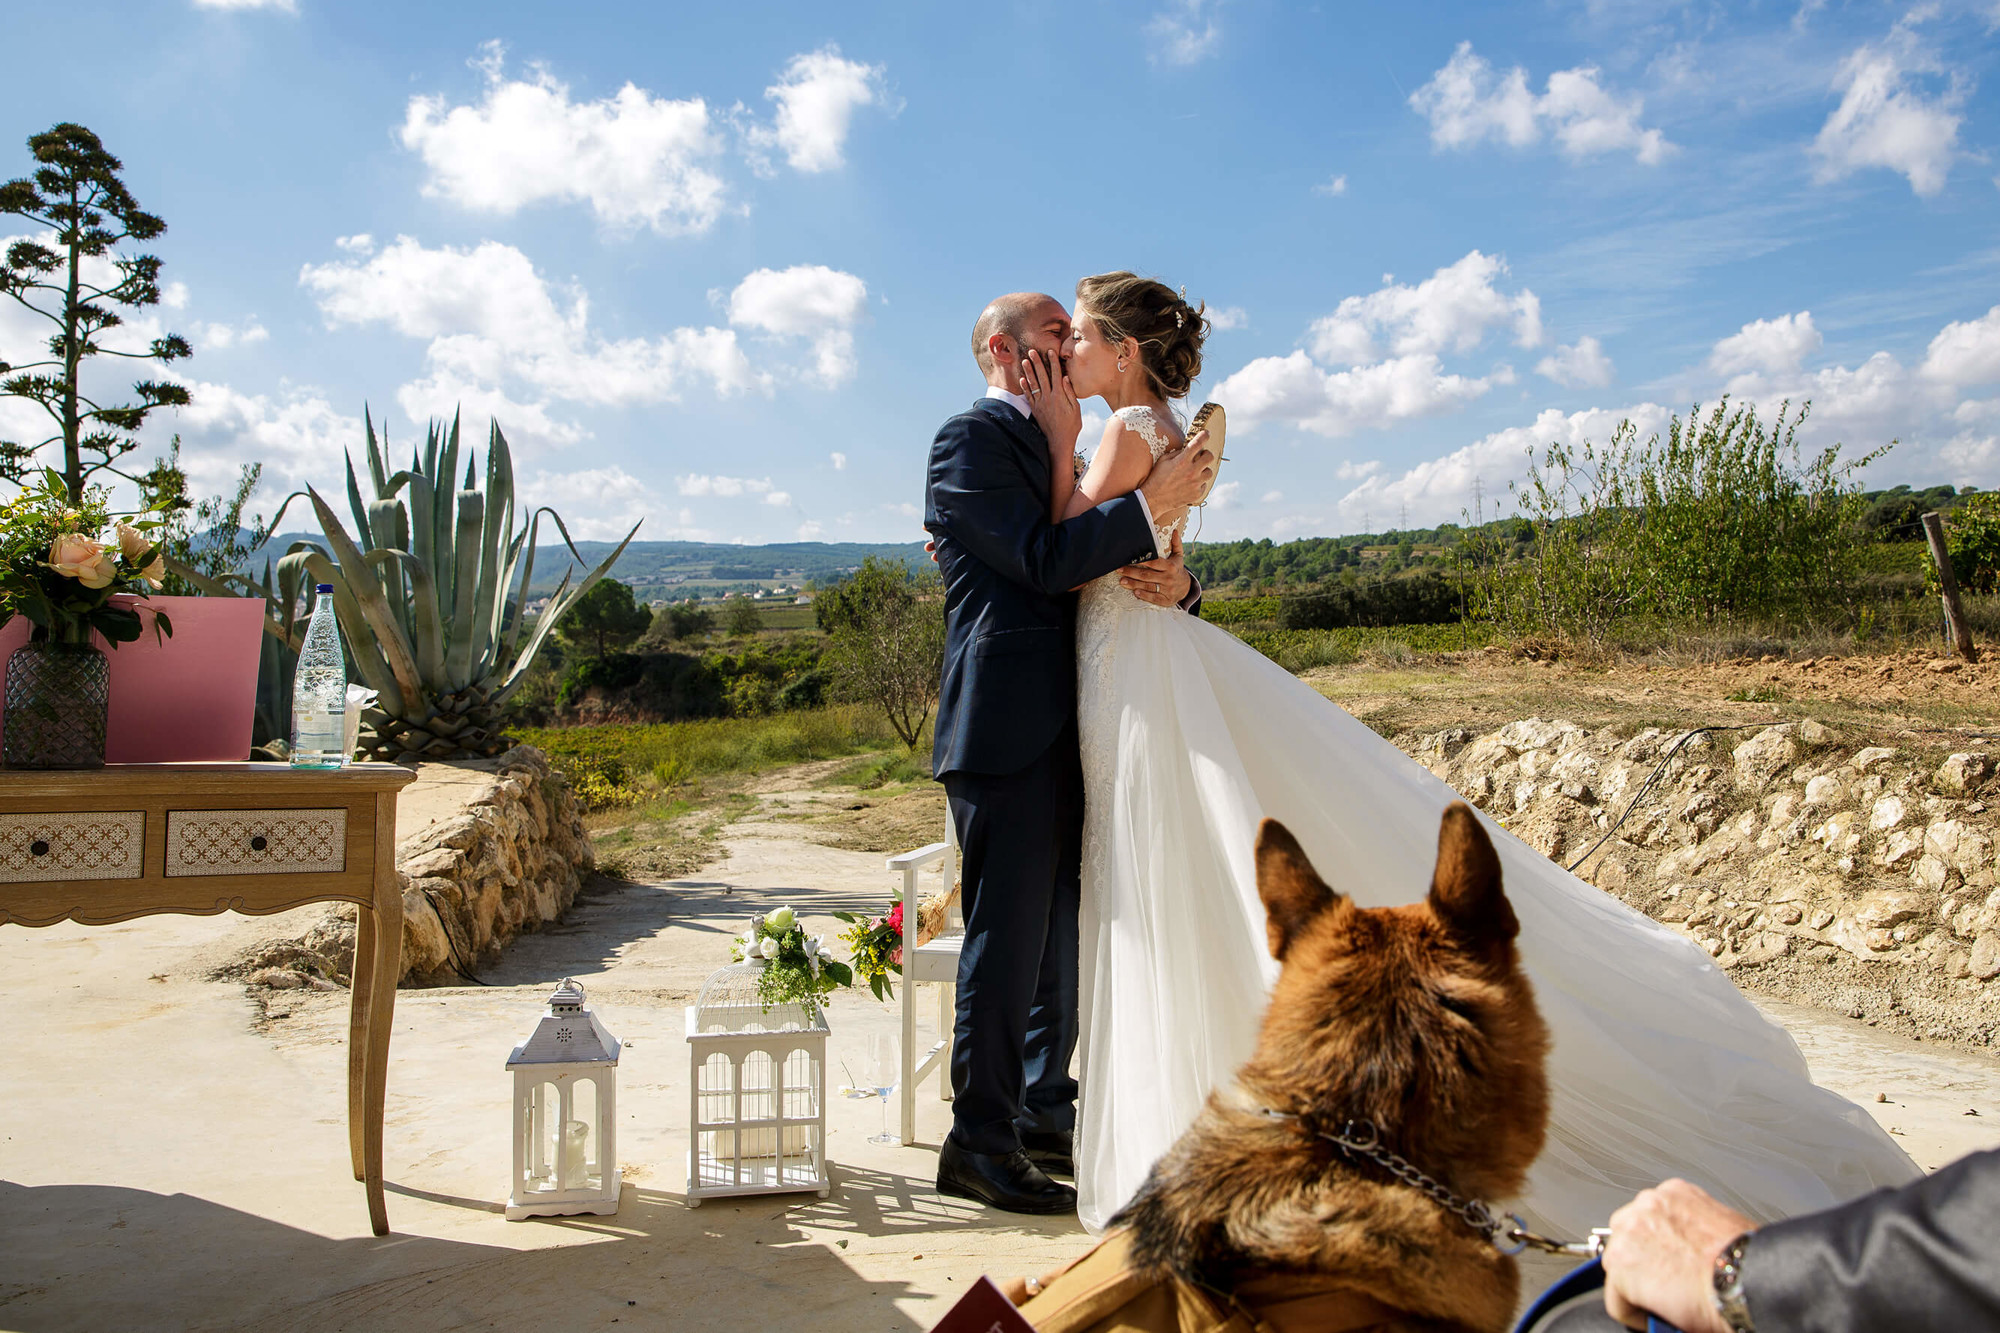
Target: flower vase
<point>58,699</point>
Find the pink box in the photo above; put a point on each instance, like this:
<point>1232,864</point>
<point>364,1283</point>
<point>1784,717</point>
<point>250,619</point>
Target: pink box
<point>190,699</point>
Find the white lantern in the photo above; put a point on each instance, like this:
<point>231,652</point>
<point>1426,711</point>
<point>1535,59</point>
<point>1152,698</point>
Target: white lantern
<point>758,1092</point>
<point>565,1113</point>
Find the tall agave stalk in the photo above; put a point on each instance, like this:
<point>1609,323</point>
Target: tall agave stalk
<point>432,597</point>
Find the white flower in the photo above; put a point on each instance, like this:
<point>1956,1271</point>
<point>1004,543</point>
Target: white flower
<point>813,946</point>
<point>756,926</point>
<point>781,919</point>
<point>769,948</point>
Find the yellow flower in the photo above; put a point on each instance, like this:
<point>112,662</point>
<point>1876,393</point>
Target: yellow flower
<point>132,544</point>
<point>78,557</point>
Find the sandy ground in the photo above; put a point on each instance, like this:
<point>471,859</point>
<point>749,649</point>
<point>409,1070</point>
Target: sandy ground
<point>173,1153</point>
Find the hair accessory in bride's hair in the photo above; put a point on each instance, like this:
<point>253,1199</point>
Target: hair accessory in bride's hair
<point>1179,319</point>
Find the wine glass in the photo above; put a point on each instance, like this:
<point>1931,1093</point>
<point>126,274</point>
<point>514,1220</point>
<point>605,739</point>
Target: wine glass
<point>883,1071</point>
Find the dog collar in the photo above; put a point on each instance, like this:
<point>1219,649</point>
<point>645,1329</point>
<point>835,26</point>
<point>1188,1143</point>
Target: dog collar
<point>1360,1140</point>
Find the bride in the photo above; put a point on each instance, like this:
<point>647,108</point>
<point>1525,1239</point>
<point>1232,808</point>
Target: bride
<point>1660,1067</point>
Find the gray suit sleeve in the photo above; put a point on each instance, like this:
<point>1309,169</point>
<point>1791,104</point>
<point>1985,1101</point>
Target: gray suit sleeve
<point>1925,1256</point>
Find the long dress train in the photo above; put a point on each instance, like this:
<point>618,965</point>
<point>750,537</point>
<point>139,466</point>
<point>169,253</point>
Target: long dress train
<point>1660,1066</point>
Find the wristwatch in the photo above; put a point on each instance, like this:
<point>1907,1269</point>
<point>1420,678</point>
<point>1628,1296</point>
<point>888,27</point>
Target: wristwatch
<point>1729,1301</point>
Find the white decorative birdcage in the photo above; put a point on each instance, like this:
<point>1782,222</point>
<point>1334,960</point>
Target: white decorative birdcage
<point>757,1083</point>
<point>565,1113</point>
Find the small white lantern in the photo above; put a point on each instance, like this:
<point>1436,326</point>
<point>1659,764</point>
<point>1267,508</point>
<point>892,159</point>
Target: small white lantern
<point>757,1083</point>
<point>565,1113</point>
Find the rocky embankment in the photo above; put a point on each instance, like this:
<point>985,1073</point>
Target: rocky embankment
<point>508,853</point>
<point>1856,877</point>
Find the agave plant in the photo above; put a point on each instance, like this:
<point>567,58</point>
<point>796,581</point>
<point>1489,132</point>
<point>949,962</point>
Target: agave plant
<point>431,597</point>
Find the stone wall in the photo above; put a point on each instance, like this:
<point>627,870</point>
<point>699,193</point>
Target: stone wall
<point>1858,877</point>
<point>504,851</point>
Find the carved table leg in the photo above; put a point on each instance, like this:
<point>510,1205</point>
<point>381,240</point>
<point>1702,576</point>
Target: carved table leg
<point>387,956</point>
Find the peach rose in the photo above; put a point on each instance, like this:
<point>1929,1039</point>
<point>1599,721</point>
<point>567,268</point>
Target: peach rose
<point>78,557</point>
<point>132,544</point>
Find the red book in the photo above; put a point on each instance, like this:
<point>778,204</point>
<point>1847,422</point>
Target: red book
<point>984,1309</point>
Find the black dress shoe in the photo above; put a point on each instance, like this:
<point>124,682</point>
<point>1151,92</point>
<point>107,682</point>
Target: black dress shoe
<point>1053,1150</point>
<point>1007,1181</point>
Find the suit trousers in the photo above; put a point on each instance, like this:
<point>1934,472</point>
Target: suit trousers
<point>1021,837</point>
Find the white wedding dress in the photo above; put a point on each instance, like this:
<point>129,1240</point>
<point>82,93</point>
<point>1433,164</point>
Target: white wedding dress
<point>1659,1066</point>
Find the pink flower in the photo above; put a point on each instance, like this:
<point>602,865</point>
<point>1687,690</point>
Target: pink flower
<point>132,544</point>
<point>78,557</point>
<point>895,920</point>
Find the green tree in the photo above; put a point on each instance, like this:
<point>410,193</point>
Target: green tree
<point>743,617</point>
<point>690,621</point>
<point>605,617</point>
<point>885,641</point>
<point>207,535</point>
<point>75,193</point>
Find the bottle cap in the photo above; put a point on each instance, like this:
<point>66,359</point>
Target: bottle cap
<point>322,587</point>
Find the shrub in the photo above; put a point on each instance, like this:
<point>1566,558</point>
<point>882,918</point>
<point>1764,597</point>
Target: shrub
<point>1972,540</point>
<point>1424,598</point>
<point>885,641</point>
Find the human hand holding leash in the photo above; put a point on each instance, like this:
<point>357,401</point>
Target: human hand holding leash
<point>1661,1257</point>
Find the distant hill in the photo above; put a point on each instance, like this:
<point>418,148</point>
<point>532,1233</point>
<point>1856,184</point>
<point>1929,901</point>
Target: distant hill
<point>707,565</point>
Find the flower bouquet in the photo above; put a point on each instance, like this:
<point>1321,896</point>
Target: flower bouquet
<point>60,570</point>
<point>795,968</point>
<point>877,943</point>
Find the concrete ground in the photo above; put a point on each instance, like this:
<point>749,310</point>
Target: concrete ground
<point>173,1153</point>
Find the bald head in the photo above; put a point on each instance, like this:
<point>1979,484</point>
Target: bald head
<point>1022,319</point>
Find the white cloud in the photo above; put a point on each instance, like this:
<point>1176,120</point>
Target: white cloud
<point>779,499</point>
<point>1224,494</point>
<point>817,97</point>
<point>207,337</point>
<point>808,301</point>
<point>1228,317</point>
<point>1773,346</point>
<point>726,487</point>
<point>1452,310</point>
<point>1884,122</point>
<point>1966,352</point>
<point>1467,104</point>
<point>1333,188</point>
<point>1580,364</point>
<point>602,504</point>
<point>635,158</point>
<point>287,6</point>
<point>839,461</point>
<point>360,243</point>
<point>1271,497</point>
<point>495,326</point>
<point>1184,32</point>
<point>298,435</point>
<point>810,531</point>
<point>1334,403</point>
<point>1350,470</point>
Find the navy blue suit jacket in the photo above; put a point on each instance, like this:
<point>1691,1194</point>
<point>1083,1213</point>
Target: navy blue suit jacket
<point>1010,618</point>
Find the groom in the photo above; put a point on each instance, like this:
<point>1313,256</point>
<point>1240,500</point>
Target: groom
<point>1006,748</point>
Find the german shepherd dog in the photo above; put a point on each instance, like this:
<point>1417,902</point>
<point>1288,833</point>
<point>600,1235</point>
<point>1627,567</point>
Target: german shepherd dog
<point>1415,1019</point>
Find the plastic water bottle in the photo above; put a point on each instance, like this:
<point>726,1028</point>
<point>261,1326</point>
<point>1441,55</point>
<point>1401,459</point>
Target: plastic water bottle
<point>319,690</point>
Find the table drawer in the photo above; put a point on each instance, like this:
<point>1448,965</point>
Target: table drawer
<point>256,842</point>
<point>109,845</point>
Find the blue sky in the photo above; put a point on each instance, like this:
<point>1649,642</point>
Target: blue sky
<point>715,267</point>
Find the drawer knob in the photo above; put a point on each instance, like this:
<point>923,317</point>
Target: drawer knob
<point>39,847</point>
<point>258,843</point>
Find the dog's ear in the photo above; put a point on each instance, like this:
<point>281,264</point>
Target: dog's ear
<point>1466,896</point>
<point>1292,890</point>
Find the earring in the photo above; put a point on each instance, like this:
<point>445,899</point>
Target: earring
<point>1121,365</point>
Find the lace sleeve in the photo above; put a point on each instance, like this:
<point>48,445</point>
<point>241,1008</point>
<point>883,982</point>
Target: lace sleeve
<point>1147,424</point>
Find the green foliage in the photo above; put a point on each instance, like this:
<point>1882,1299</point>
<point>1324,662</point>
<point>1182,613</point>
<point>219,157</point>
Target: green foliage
<point>685,620</point>
<point>207,535</point>
<point>1423,598</point>
<point>604,617</point>
<point>1972,540</point>
<point>1303,649</point>
<point>1726,521</point>
<point>60,565</point>
<point>885,641</point>
<point>794,971</point>
<point>1239,610</point>
<point>742,617</point>
<point>75,193</point>
<point>623,755</point>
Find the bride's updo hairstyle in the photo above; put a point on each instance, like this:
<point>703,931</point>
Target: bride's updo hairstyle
<point>1168,330</point>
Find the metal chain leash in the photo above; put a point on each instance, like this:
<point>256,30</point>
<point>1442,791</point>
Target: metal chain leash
<point>1505,1232</point>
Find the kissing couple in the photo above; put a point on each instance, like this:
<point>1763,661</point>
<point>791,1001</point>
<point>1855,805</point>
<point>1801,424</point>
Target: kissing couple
<point>1107,756</point>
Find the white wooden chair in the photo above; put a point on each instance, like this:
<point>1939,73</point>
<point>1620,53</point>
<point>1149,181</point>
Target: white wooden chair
<point>936,964</point>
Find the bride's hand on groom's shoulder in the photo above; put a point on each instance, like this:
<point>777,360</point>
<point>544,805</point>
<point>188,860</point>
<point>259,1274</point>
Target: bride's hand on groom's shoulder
<point>1055,407</point>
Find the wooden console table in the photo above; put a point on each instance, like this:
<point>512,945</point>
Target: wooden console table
<point>130,840</point>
